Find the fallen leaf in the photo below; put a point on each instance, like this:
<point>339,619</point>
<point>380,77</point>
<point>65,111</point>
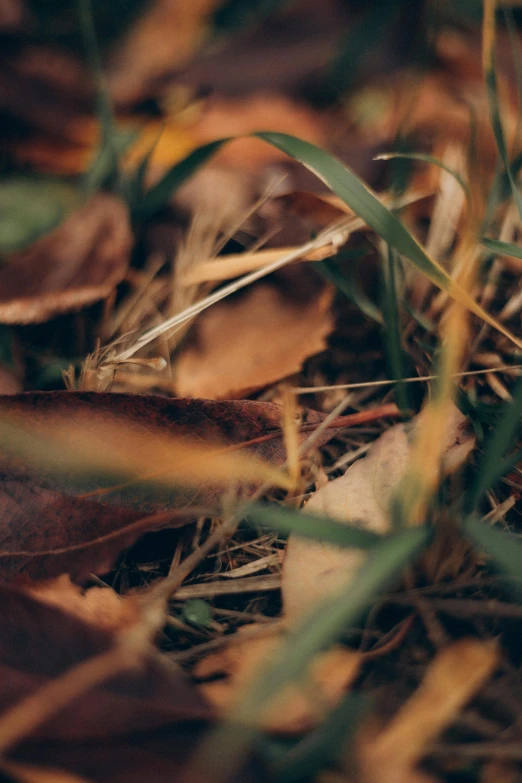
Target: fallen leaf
<point>159,44</point>
<point>321,210</point>
<point>78,263</point>
<point>48,526</point>
<point>100,607</point>
<point>246,343</point>
<point>112,721</point>
<point>299,707</point>
<point>362,496</point>
<point>47,91</point>
<point>222,117</point>
<point>451,680</point>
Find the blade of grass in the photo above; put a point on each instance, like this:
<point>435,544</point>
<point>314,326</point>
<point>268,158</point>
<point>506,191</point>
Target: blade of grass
<point>134,188</point>
<point>347,185</point>
<point>286,520</point>
<point>498,444</point>
<point>392,333</point>
<point>425,465</point>
<point>502,248</point>
<point>505,549</point>
<point>347,284</point>
<point>225,747</point>
<point>325,745</point>
<point>352,190</point>
<point>490,78</point>
<point>105,164</point>
<point>424,158</point>
<point>159,195</point>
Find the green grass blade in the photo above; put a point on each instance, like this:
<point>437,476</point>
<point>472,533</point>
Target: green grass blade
<point>323,529</point>
<point>422,157</point>
<point>502,248</point>
<point>490,78</point>
<point>498,445</point>
<point>325,745</point>
<point>227,746</point>
<point>392,331</point>
<point>352,190</point>
<point>134,186</point>
<point>332,615</point>
<point>505,549</point>
<point>348,285</point>
<point>106,162</point>
<point>159,195</point>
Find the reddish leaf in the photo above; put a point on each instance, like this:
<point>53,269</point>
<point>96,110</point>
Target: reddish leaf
<point>78,263</point>
<point>139,725</point>
<point>47,528</point>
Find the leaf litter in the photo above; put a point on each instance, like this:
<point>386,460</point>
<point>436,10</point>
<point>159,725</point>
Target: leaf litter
<point>85,475</point>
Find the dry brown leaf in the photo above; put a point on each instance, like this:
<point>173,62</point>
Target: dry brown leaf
<point>98,606</point>
<point>222,117</point>
<point>48,90</point>
<point>78,263</point>
<point>312,570</point>
<point>244,344</point>
<point>451,680</point>
<point>321,210</point>
<point>159,44</point>
<point>139,724</point>
<point>52,522</point>
<point>299,706</point>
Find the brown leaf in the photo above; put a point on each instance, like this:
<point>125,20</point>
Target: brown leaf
<point>298,707</point>
<point>78,263</point>
<point>223,117</point>
<point>40,642</point>
<point>160,43</point>
<point>320,210</point>
<point>112,721</point>
<point>45,90</point>
<point>246,343</point>
<point>311,570</point>
<point>47,527</point>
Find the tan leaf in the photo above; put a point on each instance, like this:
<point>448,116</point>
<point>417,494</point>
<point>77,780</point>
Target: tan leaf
<point>299,706</point>
<point>311,570</point>
<point>78,263</point>
<point>98,606</point>
<point>451,680</point>
<point>244,344</point>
